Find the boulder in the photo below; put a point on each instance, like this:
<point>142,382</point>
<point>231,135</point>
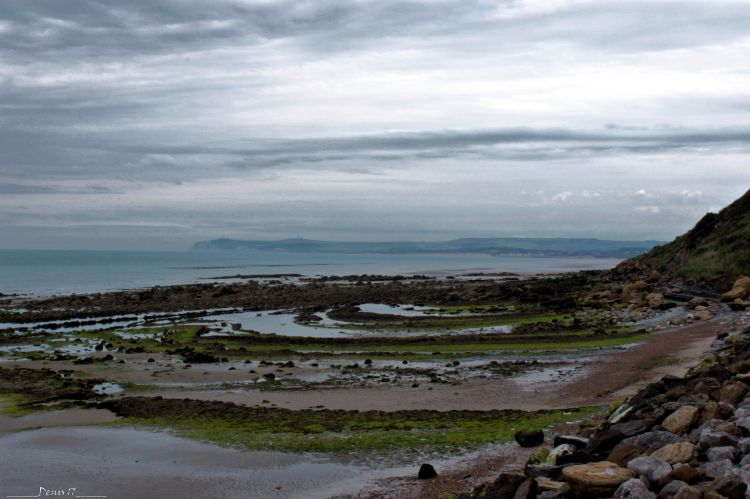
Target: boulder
<point>562,454</point>
<point>717,469</point>
<point>680,452</point>
<point>688,492</point>
<point>426,471</point>
<point>527,490</point>
<point>596,479</point>
<point>529,438</point>
<point>732,392</point>
<point>655,300</point>
<point>505,486</point>
<point>634,489</point>
<point>720,453</point>
<point>685,472</point>
<point>671,489</point>
<point>652,440</point>
<point>654,469</point>
<point>623,453</point>
<point>681,420</point>
<point>708,439</point>
<point>730,487</point>
<point>696,302</point>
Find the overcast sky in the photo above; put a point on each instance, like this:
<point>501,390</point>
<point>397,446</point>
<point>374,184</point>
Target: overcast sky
<point>152,124</point>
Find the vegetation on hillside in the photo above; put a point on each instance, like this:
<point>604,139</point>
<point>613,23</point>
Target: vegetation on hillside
<point>715,252</point>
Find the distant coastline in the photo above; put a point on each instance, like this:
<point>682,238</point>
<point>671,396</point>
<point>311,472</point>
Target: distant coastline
<point>519,247</point>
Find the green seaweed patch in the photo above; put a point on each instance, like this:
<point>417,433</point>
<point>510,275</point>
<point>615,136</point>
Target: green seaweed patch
<point>333,431</point>
<point>15,405</point>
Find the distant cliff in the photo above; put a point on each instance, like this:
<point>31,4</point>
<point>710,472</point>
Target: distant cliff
<point>544,247</point>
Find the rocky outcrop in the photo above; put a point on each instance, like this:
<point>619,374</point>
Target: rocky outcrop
<point>683,438</point>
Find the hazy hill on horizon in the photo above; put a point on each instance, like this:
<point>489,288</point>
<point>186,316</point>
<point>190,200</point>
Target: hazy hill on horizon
<point>545,247</point>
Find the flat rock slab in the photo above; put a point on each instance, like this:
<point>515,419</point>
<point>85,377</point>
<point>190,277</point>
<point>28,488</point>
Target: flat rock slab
<point>596,479</point>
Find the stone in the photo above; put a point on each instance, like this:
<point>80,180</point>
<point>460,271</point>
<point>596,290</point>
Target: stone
<point>527,490</point>
<point>579,442</point>
<point>688,492</point>
<point>655,300</point>
<point>426,471</point>
<point>681,420</point>
<point>685,472</point>
<point>716,469</point>
<point>623,453</point>
<point>680,452</point>
<point>743,424</point>
<point>732,392</point>
<point>652,440</point>
<point>634,489</point>
<point>504,486</point>
<point>547,484</point>
<point>670,489</point>
<point>719,453</point>
<point>529,438</point>
<point>696,302</point>
<point>564,454</point>
<point>702,315</point>
<point>596,479</point>
<point>708,439</point>
<point>654,469</point>
<point>743,445</point>
<point>730,487</point>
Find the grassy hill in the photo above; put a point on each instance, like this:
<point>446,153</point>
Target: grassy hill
<point>716,251</point>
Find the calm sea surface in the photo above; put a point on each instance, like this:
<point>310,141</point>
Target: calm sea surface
<point>46,272</point>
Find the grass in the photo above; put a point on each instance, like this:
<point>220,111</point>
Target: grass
<point>354,431</point>
<point>13,405</point>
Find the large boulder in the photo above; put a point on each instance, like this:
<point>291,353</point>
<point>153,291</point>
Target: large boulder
<point>426,471</point>
<point>681,420</point>
<point>739,291</point>
<point>596,479</point>
<point>655,469</point>
<point>680,452</point>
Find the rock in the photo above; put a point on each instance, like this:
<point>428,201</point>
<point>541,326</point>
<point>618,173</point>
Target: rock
<point>734,294</point>
<point>717,468</point>
<point>696,302</point>
<point>732,392</point>
<point>426,471</point>
<point>680,452</point>
<point>655,300</point>
<point>539,456</point>
<point>634,489</point>
<point>546,484</point>
<point>579,442</point>
<point>529,438</point>
<point>596,479</point>
<point>623,453</point>
<point>681,420</point>
<point>730,487</point>
<point>719,453</point>
<point>652,440</point>
<point>685,472</point>
<point>527,490</point>
<point>708,439</point>
<point>503,487</point>
<point>563,454</point>
<point>702,315</point>
<point>671,489</point>
<point>743,424</point>
<point>743,445</point>
<point>688,492</point>
<point>654,469</point>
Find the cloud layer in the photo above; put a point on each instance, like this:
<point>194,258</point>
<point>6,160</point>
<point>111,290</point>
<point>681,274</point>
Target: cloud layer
<point>155,123</point>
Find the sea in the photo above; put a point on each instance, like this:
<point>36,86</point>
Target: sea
<point>52,272</point>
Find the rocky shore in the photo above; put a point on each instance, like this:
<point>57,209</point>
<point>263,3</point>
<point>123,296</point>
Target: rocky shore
<point>681,437</point>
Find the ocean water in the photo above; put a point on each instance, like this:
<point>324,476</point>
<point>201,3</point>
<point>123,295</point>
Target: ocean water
<point>47,272</point>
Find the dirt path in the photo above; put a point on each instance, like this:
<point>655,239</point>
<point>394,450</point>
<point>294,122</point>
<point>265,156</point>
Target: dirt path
<point>621,374</point>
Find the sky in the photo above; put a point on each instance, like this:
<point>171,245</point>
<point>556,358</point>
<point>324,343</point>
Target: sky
<point>150,124</point>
